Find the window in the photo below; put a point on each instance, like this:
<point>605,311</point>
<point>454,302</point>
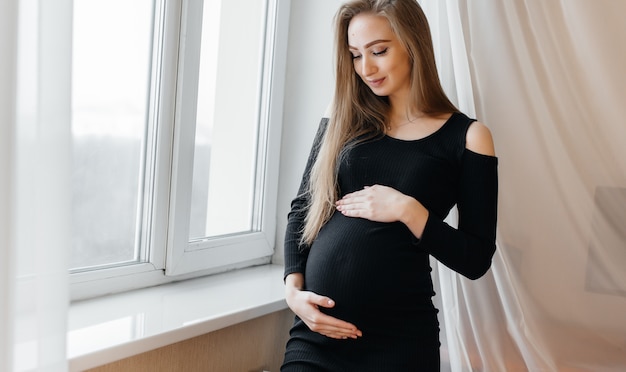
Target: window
<point>173,125</point>
<point>110,87</point>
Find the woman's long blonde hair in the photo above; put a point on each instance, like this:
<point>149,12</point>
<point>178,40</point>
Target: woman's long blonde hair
<point>356,111</point>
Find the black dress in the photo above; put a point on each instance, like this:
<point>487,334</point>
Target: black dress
<point>377,273</point>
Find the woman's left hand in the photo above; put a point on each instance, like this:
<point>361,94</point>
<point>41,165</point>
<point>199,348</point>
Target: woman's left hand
<point>376,203</point>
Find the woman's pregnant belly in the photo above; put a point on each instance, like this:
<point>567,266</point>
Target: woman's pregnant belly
<point>371,270</point>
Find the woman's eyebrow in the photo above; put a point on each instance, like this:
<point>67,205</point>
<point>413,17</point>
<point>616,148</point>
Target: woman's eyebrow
<point>350,47</point>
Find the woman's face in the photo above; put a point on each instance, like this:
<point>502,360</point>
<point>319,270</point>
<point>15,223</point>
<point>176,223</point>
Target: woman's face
<point>379,58</point>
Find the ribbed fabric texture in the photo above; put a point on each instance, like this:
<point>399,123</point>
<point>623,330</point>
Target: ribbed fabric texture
<point>379,273</point>
<point>295,254</point>
<point>469,249</point>
<point>476,190</point>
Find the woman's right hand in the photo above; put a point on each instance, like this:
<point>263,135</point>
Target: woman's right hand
<point>305,305</point>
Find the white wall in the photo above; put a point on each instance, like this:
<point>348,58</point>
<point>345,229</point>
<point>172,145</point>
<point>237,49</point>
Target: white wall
<point>309,86</point>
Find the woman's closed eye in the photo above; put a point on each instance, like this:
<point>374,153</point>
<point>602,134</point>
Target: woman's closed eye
<point>377,53</point>
<point>380,52</point>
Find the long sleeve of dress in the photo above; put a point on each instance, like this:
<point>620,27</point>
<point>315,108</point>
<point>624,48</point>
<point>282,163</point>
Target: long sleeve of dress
<point>469,249</point>
<point>295,253</point>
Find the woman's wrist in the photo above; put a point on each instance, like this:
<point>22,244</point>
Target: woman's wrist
<point>293,284</point>
<point>414,215</point>
<point>294,281</point>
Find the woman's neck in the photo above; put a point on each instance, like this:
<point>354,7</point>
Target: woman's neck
<point>401,111</point>
<point>401,115</point>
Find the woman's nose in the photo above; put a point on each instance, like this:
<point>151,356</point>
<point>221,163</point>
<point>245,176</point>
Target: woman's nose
<point>368,67</point>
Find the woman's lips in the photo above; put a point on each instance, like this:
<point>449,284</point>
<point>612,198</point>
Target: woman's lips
<point>375,83</point>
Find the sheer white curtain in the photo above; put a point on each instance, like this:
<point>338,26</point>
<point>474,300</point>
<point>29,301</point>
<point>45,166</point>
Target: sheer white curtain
<point>34,183</point>
<point>548,78</point>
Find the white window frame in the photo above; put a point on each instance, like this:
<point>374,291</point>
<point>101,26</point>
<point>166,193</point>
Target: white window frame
<point>166,196</point>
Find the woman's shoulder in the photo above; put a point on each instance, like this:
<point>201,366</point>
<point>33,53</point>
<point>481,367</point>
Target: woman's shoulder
<point>478,139</point>
<point>469,134</point>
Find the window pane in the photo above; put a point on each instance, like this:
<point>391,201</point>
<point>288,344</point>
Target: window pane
<point>225,154</point>
<point>110,72</point>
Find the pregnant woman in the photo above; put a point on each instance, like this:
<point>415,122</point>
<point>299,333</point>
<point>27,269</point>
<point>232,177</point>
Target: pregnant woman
<point>391,159</point>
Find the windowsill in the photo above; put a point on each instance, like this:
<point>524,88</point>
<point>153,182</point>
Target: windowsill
<point>111,328</point>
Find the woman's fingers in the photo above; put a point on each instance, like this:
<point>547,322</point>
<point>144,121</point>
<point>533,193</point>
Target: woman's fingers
<point>330,326</point>
<point>375,203</point>
<point>306,305</point>
<point>356,204</point>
